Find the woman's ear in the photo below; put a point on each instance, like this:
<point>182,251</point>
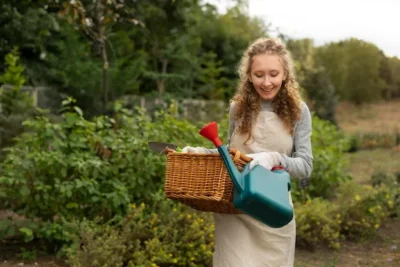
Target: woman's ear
<point>249,77</point>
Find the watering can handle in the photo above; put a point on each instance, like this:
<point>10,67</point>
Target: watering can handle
<point>277,168</point>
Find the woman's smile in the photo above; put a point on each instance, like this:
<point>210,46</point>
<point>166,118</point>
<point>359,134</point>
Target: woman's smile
<point>267,90</point>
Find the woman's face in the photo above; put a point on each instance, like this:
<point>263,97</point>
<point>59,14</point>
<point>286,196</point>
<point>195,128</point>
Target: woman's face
<point>267,75</point>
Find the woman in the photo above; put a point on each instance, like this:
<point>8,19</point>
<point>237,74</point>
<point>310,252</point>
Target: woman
<point>270,123</point>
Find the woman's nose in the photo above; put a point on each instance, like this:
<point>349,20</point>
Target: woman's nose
<point>267,81</point>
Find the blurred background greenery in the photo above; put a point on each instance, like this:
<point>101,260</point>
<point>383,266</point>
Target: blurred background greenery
<point>85,85</point>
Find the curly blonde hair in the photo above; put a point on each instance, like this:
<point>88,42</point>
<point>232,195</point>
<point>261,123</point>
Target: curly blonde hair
<point>286,104</point>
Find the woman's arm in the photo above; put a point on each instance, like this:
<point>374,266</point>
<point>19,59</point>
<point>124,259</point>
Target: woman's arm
<point>300,164</point>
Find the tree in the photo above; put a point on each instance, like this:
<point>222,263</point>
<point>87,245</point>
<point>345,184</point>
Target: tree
<point>354,67</point>
<point>322,94</point>
<point>394,64</point>
<point>99,51</point>
<point>96,20</point>
<point>170,38</point>
<point>313,78</point>
<point>228,35</point>
<point>16,106</point>
<point>303,53</point>
<point>210,76</point>
<point>386,76</point>
<point>32,28</point>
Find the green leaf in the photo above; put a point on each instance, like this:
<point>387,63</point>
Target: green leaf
<point>79,111</point>
<point>25,191</point>
<point>28,234</point>
<point>3,193</point>
<point>71,118</point>
<point>26,231</point>
<point>72,205</point>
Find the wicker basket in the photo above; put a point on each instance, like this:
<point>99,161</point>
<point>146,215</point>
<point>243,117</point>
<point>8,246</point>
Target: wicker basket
<point>201,181</point>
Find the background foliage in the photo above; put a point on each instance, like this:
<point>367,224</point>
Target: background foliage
<point>99,51</point>
<point>76,172</point>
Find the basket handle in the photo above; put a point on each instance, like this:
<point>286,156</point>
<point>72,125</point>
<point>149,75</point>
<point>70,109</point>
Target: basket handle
<point>238,155</point>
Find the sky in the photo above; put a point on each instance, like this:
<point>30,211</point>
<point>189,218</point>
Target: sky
<point>375,21</point>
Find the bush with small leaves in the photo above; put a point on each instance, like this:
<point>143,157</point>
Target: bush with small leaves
<point>330,163</point>
<point>378,178</point>
<point>318,224</point>
<point>364,208</point>
<point>165,234</point>
<point>76,168</point>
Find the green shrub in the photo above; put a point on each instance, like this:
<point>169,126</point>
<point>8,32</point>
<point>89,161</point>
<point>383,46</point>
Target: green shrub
<point>354,143</point>
<point>170,234</point>
<point>328,146</point>
<point>356,213</point>
<point>397,138</point>
<point>16,105</point>
<point>363,208</point>
<point>76,168</point>
<point>397,203</point>
<point>377,140</point>
<point>318,224</point>
<point>378,178</point>
<point>166,234</point>
<point>372,140</point>
<point>397,175</point>
<point>397,194</point>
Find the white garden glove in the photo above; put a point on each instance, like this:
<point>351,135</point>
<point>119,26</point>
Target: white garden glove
<point>199,150</point>
<point>265,159</point>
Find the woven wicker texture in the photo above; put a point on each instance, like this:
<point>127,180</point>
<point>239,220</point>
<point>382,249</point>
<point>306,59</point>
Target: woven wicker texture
<point>201,181</point>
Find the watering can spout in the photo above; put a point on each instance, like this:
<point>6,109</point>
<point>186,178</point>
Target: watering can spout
<point>210,131</point>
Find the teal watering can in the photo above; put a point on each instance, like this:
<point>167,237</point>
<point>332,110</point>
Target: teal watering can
<point>259,192</point>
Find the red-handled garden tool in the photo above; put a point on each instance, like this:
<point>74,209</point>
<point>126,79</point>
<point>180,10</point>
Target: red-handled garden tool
<point>162,147</point>
<point>259,192</point>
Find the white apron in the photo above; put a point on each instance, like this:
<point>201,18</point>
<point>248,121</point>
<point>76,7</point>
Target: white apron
<point>241,241</point>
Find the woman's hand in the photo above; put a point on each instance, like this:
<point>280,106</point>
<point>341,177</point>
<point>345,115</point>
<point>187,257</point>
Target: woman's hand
<point>265,159</point>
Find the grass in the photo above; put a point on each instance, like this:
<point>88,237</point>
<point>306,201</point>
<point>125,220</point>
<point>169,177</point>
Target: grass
<point>381,117</point>
<point>365,162</point>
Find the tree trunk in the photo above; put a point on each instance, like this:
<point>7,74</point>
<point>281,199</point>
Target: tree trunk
<point>102,40</point>
<point>161,82</point>
<point>105,72</point>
